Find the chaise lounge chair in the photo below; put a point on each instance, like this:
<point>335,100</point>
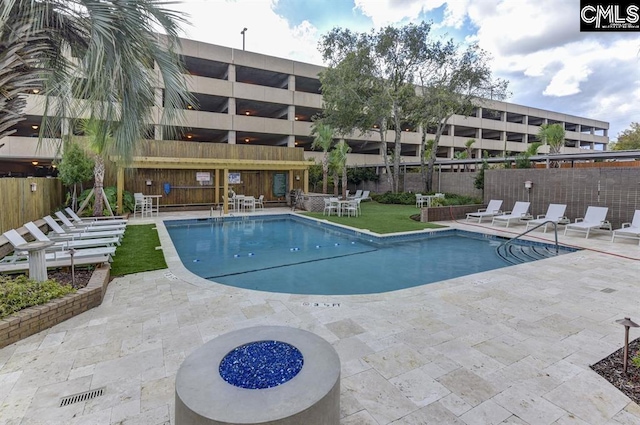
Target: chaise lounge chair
<point>629,230</point>
<point>493,209</point>
<point>61,233</point>
<point>16,240</point>
<point>555,213</point>
<point>68,243</point>
<point>94,220</point>
<point>594,218</point>
<point>520,210</point>
<point>87,227</point>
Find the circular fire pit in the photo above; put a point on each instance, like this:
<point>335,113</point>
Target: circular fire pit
<point>260,375</point>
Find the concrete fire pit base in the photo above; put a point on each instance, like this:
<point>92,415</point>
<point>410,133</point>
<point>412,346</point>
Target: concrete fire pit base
<point>312,397</point>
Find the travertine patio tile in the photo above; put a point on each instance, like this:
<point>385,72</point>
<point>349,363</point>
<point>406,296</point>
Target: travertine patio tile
<point>455,404</point>
<point>589,397</point>
<point>487,413</point>
<point>468,386</point>
<point>419,387</point>
<point>360,418</point>
<point>395,360</point>
<point>434,413</point>
<point>528,406</point>
<point>382,400</point>
<point>345,328</point>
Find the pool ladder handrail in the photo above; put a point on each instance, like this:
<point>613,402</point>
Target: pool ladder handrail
<point>555,231</point>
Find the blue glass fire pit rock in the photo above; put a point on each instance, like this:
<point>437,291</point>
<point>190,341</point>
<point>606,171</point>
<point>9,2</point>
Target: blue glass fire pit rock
<point>261,364</point>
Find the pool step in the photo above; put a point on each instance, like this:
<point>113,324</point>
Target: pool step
<point>518,254</point>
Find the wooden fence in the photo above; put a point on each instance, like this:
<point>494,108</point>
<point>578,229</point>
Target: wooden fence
<point>21,203</point>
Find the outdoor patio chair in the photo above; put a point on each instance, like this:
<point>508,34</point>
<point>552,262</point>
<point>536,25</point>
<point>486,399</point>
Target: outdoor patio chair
<point>358,194</point>
<point>142,205</point>
<point>555,213</point>
<point>365,196</point>
<point>260,202</point>
<point>629,230</point>
<point>594,218</point>
<point>330,204</point>
<point>520,211</point>
<point>61,233</point>
<point>66,244</point>
<point>419,200</point>
<point>493,209</point>
<point>97,220</point>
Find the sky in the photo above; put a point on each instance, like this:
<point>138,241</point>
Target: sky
<point>534,44</point>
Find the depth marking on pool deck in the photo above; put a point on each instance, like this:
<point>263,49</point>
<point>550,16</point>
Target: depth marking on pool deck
<point>308,304</point>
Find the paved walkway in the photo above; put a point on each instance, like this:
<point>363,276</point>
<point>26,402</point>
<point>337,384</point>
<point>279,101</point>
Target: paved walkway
<point>511,346</point>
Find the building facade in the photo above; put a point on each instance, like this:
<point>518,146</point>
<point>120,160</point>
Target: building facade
<point>243,97</point>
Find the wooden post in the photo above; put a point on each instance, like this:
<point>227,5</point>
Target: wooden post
<point>216,182</point>
<point>291,178</point>
<point>225,183</point>
<point>120,191</point>
<point>305,175</point>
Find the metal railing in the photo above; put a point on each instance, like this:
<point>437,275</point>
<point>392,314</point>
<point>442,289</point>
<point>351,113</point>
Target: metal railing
<point>544,223</point>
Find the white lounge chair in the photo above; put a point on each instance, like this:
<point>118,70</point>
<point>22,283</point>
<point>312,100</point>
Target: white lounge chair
<point>555,213</point>
<point>493,209</point>
<point>96,220</point>
<point>16,240</point>
<point>61,233</point>
<point>66,244</point>
<point>365,195</point>
<point>356,195</point>
<point>86,227</point>
<point>18,266</point>
<point>520,210</point>
<point>594,218</point>
<point>629,230</point>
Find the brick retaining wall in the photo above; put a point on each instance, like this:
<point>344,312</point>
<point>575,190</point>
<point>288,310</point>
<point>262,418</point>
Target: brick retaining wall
<point>35,319</point>
<point>459,212</point>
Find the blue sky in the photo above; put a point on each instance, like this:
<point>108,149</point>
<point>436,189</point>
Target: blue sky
<point>535,44</point>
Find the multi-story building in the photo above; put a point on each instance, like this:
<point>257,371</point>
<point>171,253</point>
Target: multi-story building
<point>250,98</point>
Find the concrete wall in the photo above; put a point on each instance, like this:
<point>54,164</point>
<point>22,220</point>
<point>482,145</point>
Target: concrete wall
<point>458,183</point>
<point>615,188</point>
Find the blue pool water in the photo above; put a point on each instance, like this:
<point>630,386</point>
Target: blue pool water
<point>300,256</point>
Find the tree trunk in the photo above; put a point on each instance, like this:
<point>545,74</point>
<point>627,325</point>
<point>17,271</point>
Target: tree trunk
<point>423,149</point>
<point>98,175</point>
<point>325,173</point>
<point>344,181</point>
<point>336,182</point>
<point>385,156</point>
<point>397,150</point>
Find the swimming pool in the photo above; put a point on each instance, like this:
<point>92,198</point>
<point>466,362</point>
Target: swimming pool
<point>295,255</point>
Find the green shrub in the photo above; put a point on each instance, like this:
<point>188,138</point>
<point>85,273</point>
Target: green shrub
<point>112,194</point>
<point>408,198</point>
<point>19,293</point>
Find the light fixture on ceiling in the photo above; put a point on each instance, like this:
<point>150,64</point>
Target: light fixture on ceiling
<point>247,113</point>
<point>296,118</point>
<point>35,126</point>
<point>246,140</point>
<point>35,91</point>
<point>189,107</point>
<point>34,162</point>
<point>189,136</point>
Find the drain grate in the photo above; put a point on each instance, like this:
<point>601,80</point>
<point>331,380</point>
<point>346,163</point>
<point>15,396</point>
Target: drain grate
<point>87,395</point>
<point>607,290</point>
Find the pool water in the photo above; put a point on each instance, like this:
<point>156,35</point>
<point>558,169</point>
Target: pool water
<point>301,256</point>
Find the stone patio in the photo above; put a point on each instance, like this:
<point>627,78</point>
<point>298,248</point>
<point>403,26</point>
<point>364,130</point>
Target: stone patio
<point>511,346</point>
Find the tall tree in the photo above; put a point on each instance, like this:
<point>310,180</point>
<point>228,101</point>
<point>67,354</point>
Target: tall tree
<point>339,165</point>
<point>552,135</point>
<point>629,139</point>
<point>75,168</point>
<point>369,82</point>
<point>323,140</point>
<point>461,82</point>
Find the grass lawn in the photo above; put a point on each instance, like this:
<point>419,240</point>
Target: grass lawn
<point>381,218</point>
<point>138,252</point>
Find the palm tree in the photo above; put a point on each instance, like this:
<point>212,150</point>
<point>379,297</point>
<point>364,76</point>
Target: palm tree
<point>99,60</point>
<point>468,144</point>
<point>323,140</point>
<point>552,135</point>
<point>339,165</point>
